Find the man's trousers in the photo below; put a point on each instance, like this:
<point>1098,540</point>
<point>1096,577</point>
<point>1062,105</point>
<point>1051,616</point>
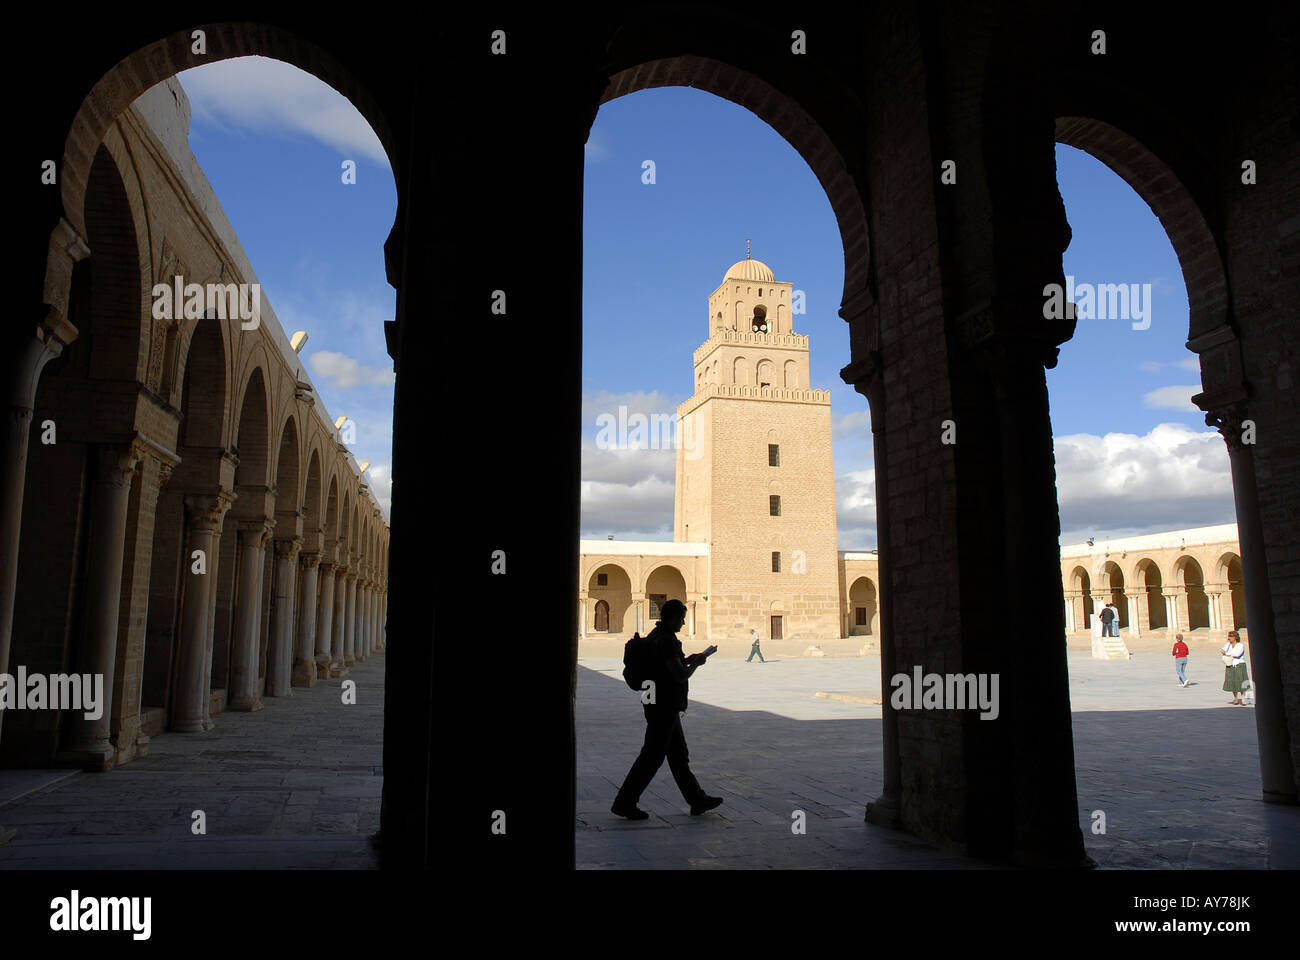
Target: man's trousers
<point>663,738</point>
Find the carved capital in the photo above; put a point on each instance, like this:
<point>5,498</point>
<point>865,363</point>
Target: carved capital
<point>287,549</point>
<point>207,511</point>
<point>117,463</point>
<point>255,532</point>
<point>1228,421</point>
<point>309,560</point>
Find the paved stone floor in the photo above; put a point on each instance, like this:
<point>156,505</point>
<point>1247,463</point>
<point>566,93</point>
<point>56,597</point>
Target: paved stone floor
<point>1175,770</point>
<point>269,802</point>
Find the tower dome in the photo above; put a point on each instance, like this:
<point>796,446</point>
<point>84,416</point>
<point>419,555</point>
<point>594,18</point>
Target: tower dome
<point>748,269</point>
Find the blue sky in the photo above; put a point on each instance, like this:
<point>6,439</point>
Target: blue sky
<point>1133,455</point>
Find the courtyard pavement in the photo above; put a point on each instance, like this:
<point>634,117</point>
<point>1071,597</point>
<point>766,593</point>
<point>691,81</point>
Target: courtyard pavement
<point>268,802</point>
<point>1175,771</point>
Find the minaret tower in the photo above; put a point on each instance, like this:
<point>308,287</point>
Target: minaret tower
<point>755,473</point>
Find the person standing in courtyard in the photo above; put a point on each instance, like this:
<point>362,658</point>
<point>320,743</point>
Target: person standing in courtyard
<point>1107,615</point>
<point>753,647</point>
<point>1114,619</point>
<point>667,671</point>
<point>1180,659</point>
<point>1235,680</point>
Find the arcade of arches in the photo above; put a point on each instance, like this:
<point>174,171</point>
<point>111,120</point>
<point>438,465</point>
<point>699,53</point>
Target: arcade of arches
<point>943,308</point>
<point>193,528</point>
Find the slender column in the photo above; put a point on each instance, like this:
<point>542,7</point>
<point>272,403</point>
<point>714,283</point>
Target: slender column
<point>340,619</point>
<point>374,621</point>
<point>304,664</point>
<point>1134,628</point>
<point>26,364</point>
<point>279,663</point>
<point>1216,611</point>
<point>245,689</point>
<point>1070,597</point>
<point>1277,773</point>
<point>350,619</point>
<point>363,594</point>
<point>115,468</point>
<point>325,621</point>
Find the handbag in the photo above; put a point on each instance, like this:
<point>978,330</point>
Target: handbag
<point>1228,661</point>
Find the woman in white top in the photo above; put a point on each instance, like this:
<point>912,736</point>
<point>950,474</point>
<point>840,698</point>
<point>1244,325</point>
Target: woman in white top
<point>1235,681</point>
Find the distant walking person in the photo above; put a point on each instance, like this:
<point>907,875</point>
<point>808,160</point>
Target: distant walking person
<point>1235,680</point>
<point>753,647</point>
<point>663,672</point>
<point>1180,659</point>
<point>1107,617</point>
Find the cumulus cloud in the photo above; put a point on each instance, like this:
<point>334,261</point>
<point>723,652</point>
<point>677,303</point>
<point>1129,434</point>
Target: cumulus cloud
<point>380,480</point>
<point>1122,484</point>
<point>855,509</point>
<point>344,372</point>
<point>233,94</point>
<point>1173,398</point>
<point>636,511</point>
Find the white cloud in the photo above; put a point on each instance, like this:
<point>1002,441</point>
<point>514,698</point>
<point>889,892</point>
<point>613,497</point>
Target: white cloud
<point>344,372</point>
<point>636,511</point>
<point>1122,484</point>
<point>1173,398</point>
<point>380,479</point>
<point>1192,364</point>
<point>269,97</point>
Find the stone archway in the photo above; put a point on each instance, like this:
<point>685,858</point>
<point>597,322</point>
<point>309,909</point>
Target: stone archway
<point>862,608</point>
<point>1154,608</point>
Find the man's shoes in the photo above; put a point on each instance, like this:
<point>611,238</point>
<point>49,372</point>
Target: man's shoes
<point>704,804</point>
<point>630,810</point>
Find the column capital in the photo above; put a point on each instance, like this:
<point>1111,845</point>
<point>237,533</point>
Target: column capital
<point>1227,419</point>
<point>327,566</point>
<point>256,532</point>
<point>309,560</point>
<point>206,511</point>
<point>287,549</point>
<point>117,462</point>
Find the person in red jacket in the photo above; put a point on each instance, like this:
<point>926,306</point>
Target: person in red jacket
<point>1180,659</point>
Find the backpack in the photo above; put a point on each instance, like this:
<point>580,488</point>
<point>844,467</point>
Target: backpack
<point>638,661</point>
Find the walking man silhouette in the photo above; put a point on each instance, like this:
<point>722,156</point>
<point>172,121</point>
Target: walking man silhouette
<point>753,647</point>
<point>663,725</point>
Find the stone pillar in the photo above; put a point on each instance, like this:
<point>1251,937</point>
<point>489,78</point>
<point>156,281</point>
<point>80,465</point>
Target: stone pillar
<point>1277,772</point>
<point>304,663</point>
<point>25,364</point>
<point>279,662</point>
<point>204,517</point>
<point>692,612</point>
<point>245,654</point>
<point>350,619</point>
<point>363,600</point>
<point>582,618</point>
<point>1070,598</point>
<point>1214,593</point>
<point>1176,609</point>
<point>340,619</point>
<point>1134,628</point>
<point>115,468</point>
<point>325,620</point>
<point>137,561</point>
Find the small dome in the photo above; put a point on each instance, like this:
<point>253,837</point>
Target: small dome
<point>750,270</point>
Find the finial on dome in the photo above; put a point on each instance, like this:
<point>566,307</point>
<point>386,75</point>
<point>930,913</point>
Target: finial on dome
<point>747,248</point>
